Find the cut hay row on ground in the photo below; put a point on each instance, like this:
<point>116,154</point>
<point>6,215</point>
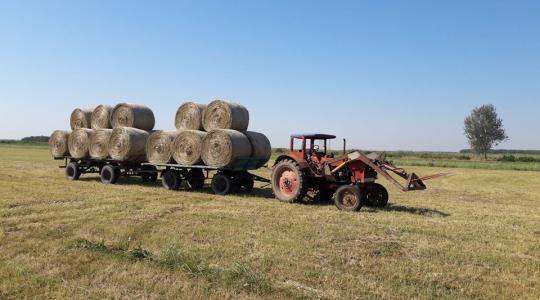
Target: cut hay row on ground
<point>475,234</point>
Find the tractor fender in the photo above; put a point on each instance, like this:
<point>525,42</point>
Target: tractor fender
<point>301,162</point>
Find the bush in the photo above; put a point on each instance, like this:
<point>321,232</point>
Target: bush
<point>526,159</point>
<point>508,158</point>
<point>464,157</point>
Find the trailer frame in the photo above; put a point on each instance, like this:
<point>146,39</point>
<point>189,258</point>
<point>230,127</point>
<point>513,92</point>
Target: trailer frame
<point>110,170</point>
<point>224,181</point>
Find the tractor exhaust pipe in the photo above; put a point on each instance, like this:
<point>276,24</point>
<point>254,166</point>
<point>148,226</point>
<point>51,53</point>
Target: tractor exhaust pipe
<point>344,146</point>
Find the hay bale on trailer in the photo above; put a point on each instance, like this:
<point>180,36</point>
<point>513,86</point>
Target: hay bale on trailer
<point>58,143</point>
<point>132,115</point>
<point>223,147</point>
<point>101,117</point>
<point>81,118</point>
<point>261,148</point>
<point>225,115</point>
<point>187,147</point>
<point>79,142</point>
<point>159,146</point>
<point>99,143</point>
<point>128,144</point>
<point>189,116</point>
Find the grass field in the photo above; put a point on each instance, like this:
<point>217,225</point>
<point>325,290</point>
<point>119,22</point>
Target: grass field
<point>475,234</point>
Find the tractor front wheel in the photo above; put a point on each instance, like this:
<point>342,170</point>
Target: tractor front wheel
<point>375,194</point>
<point>289,182</point>
<point>348,198</point>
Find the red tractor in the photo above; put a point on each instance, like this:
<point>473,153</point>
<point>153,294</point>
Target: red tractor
<point>311,171</point>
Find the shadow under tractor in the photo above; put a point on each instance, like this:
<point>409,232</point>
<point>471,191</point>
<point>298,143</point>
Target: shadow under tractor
<point>310,171</point>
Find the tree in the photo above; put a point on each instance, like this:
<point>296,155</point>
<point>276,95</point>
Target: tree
<point>484,129</point>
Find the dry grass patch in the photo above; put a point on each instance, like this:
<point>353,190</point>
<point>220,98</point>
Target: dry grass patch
<point>471,235</point>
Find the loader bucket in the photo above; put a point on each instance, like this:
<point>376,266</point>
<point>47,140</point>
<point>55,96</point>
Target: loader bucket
<point>414,183</point>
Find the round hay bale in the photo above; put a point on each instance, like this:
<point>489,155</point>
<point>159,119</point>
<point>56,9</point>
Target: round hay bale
<point>58,143</point>
<point>261,148</point>
<point>225,115</point>
<point>99,143</point>
<point>128,144</point>
<point>159,146</point>
<point>79,142</point>
<point>101,117</point>
<point>81,118</point>
<point>189,116</point>
<point>222,147</point>
<point>187,147</point>
<point>132,115</point>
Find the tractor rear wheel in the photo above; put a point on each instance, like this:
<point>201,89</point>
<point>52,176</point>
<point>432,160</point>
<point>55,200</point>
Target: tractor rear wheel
<point>348,198</point>
<point>289,181</point>
<point>375,194</point>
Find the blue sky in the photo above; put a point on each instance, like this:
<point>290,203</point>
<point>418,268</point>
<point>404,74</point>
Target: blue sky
<point>386,75</point>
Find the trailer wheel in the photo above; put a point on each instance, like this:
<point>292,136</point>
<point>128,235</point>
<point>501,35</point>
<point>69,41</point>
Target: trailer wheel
<point>109,174</point>
<point>149,177</point>
<point>375,194</point>
<point>170,180</point>
<point>348,198</point>
<point>289,181</point>
<point>195,179</point>
<point>244,181</point>
<point>221,184</point>
<point>72,171</point>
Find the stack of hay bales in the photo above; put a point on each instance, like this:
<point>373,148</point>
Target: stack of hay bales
<point>216,135</point>
<point>184,145</point>
<point>119,133</point>
<point>132,125</point>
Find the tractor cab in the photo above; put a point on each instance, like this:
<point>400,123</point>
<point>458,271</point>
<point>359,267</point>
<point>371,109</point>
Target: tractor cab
<point>312,148</point>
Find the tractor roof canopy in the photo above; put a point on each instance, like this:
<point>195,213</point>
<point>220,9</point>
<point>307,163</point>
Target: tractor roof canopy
<point>319,136</point>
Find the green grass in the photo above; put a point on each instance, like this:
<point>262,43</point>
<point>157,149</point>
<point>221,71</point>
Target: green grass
<point>474,234</point>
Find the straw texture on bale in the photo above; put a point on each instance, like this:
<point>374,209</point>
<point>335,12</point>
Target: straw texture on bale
<point>187,147</point>
<point>99,143</point>
<point>58,143</point>
<point>101,117</point>
<point>128,144</point>
<point>260,147</point>
<point>159,146</point>
<point>79,142</point>
<point>222,147</point>
<point>189,116</point>
<point>81,118</point>
<point>132,115</point>
<point>225,115</point>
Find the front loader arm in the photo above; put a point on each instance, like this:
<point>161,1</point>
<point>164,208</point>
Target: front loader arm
<point>378,163</point>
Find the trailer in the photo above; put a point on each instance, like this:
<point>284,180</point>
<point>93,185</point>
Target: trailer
<point>224,180</point>
<point>109,170</point>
